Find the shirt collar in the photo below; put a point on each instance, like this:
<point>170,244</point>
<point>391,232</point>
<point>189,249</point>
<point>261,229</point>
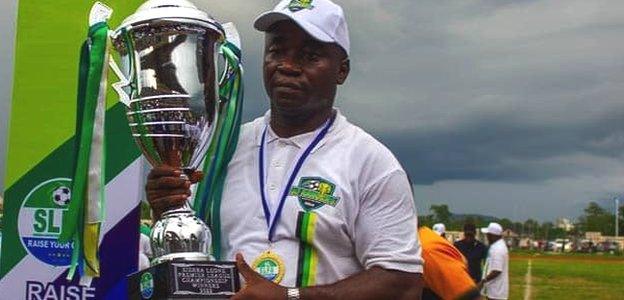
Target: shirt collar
<point>300,140</point>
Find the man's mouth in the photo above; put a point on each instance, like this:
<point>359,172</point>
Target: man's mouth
<point>289,86</point>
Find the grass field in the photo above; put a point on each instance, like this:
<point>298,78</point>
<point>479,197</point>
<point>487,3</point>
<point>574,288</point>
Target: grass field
<point>567,277</point>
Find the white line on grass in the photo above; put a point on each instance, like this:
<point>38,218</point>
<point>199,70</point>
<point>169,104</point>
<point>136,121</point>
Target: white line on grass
<point>527,282</point>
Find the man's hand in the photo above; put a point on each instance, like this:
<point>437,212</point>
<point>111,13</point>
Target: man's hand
<point>256,286</point>
<point>480,284</point>
<point>166,189</point>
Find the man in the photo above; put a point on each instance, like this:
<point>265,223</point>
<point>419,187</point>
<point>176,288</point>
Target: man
<point>473,250</point>
<point>496,281</point>
<point>313,201</point>
<point>440,229</point>
<point>446,275</point>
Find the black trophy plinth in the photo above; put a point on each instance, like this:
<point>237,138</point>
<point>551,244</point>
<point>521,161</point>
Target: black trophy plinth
<point>185,280</point>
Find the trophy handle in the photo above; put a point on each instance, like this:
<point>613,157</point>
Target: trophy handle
<point>231,52</point>
<point>118,86</point>
<point>208,198</point>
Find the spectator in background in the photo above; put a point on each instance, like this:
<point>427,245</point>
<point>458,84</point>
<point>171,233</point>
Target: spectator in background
<point>496,280</point>
<point>440,229</point>
<point>474,251</point>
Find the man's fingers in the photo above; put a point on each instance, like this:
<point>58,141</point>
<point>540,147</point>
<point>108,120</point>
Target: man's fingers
<point>245,270</point>
<point>167,182</point>
<point>164,171</point>
<point>196,177</point>
<point>241,295</point>
<point>157,194</point>
<point>169,201</point>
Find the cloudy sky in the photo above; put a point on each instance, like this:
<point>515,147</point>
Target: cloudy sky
<point>499,107</point>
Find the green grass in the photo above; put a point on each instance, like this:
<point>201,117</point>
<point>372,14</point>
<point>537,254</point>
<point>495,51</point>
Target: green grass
<point>568,277</point>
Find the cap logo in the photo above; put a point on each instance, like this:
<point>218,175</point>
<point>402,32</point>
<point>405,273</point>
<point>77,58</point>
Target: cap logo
<point>297,5</point>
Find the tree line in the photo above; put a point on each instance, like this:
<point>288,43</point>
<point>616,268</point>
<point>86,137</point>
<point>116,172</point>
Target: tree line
<point>594,218</point>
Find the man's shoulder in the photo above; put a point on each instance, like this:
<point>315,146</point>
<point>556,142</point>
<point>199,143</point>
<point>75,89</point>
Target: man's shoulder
<point>499,247</point>
<point>369,148</point>
<point>249,132</point>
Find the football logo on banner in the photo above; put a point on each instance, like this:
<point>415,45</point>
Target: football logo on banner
<point>40,219</point>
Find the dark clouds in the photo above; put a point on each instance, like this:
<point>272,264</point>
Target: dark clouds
<point>511,108</point>
<point>497,149</point>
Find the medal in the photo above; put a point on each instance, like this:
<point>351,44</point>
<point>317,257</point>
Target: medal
<point>270,266</point>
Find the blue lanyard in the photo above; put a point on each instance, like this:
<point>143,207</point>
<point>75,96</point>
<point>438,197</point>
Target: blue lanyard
<point>261,172</point>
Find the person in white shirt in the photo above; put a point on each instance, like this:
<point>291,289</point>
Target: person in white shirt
<point>495,282</point>
<point>320,208</point>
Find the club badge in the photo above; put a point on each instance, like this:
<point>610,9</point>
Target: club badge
<point>297,5</point>
<point>314,192</point>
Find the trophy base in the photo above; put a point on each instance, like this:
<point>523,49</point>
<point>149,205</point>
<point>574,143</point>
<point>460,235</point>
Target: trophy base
<point>184,279</point>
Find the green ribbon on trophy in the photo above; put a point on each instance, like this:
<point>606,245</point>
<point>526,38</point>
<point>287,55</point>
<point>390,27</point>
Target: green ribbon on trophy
<point>207,202</point>
<point>81,222</point>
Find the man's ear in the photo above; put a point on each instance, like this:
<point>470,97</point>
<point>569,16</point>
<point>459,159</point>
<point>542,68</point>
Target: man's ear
<point>343,71</point>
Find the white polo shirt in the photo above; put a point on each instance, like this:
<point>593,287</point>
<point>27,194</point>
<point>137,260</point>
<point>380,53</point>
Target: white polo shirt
<point>497,260</point>
<point>349,208</point>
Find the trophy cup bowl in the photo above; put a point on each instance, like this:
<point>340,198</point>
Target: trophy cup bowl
<point>168,51</point>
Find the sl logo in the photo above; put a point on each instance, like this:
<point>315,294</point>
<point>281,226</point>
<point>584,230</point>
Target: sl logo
<point>297,5</point>
<point>314,192</point>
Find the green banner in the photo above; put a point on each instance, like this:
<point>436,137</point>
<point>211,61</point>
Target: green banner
<point>41,153</point>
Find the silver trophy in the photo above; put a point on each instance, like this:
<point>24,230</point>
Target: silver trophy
<point>169,51</point>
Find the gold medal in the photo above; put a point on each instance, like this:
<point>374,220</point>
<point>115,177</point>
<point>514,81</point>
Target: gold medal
<point>270,266</point>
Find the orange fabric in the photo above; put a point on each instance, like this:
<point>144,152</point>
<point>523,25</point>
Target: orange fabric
<point>445,271</point>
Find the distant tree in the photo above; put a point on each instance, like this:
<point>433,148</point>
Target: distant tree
<point>596,218</point>
<point>545,231</point>
<point>425,220</point>
<point>518,227</point>
<point>621,220</point>
<point>531,227</point>
<point>441,213</point>
<point>506,223</point>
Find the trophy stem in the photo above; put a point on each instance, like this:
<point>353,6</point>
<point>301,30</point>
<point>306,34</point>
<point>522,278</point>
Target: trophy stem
<point>185,209</point>
<point>180,234</point>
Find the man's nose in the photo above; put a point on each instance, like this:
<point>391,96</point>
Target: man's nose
<point>289,65</point>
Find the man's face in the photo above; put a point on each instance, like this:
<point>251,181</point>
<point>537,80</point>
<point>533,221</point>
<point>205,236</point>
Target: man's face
<point>469,235</point>
<point>301,74</point>
<point>492,238</point>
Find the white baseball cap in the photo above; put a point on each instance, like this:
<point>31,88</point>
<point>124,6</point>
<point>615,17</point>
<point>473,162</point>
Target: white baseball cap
<point>439,228</point>
<point>493,228</point>
<point>322,19</point>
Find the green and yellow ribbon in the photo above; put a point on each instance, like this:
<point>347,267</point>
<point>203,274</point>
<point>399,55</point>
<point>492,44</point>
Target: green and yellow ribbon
<point>207,202</point>
<point>308,255</point>
<point>82,220</point>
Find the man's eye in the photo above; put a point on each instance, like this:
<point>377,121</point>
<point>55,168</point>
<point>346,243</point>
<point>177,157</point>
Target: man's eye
<point>312,56</point>
<point>274,49</point>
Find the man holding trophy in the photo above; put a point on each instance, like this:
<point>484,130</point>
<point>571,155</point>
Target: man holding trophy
<point>319,208</point>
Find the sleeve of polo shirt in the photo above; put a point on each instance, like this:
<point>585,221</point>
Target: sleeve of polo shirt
<point>496,260</point>
<point>385,229</point>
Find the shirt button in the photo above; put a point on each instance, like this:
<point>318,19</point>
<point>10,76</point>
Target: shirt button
<point>272,187</point>
<point>276,164</point>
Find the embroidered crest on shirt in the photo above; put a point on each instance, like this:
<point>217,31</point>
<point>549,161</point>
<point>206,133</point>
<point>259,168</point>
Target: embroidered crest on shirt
<point>314,193</point>
<point>297,5</point>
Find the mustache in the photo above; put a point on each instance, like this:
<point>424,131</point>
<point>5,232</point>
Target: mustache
<point>288,84</point>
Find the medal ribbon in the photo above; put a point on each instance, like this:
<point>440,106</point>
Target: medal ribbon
<point>262,173</point>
